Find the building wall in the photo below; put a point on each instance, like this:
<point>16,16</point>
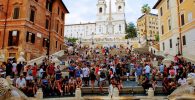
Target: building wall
<point>24,25</point>
<point>151,25</point>
<point>188,29</point>
<point>78,30</point>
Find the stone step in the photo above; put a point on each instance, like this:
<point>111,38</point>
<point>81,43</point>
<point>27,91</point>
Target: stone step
<point>132,78</point>
<point>125,90</point>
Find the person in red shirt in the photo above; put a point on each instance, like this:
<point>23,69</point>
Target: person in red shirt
<point>97,68</point>
<point>165,70</point>
<point>51,69</point>
<point>34,70</point>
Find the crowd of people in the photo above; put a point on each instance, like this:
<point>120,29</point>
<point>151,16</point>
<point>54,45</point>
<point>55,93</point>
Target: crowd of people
<point>88,67</point>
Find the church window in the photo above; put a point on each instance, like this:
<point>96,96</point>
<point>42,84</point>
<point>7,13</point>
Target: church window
<point>100,10</point>
<point>99,28</point>
<point>119,7</point>
<point>119,27</point>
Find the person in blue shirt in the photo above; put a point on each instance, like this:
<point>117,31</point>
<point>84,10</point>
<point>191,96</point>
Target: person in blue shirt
<point>138,72</point>
<point>78,72</point>
<point>71,70</point>
<point>161,68</point>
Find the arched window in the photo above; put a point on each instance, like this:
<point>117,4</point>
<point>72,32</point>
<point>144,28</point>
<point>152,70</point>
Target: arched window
<point>119,27</point>
<point>99,28</point>
<point>119,8</point>
<point>100,10</point>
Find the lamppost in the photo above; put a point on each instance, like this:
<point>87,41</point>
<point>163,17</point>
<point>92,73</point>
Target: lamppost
<point>80,38</point>
<point>178,45</point>
<point>127,41</point>
<point>92,39</point>
<point>77,35</point>
<point>139,35</point>
<point>47,46</point>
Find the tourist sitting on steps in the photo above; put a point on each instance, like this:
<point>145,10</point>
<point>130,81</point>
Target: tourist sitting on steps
<point>66,85</point>
<point>146,84</point>
<point>78,82</point>
<point>71,85</point>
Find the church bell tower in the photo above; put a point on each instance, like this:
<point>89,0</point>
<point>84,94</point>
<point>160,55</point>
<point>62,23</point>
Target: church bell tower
<point>101,7</point>
<point>120,6</point>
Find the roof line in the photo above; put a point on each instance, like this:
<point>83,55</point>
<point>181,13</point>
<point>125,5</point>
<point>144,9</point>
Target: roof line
<point>64,6</point>
<point>149,13</point>
<point>158,2</point>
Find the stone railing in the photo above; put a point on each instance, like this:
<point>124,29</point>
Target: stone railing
<point>59,53</point>
<point>39,60</point>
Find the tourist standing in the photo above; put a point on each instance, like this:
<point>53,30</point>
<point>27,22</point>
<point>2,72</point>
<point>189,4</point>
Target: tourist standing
<point>92,78</point>
<point>14,69</point>
<point>85,72</point>
<point>9,68</point>
<point>147,71</point>
<point>34,70</point>
<point>71,70</point>
<point>138,72</point>
<point>51,69</point>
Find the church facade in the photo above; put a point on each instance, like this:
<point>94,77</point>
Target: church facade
<point>109,22</point>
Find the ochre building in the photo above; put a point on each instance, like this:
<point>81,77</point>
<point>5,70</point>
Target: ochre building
<point>177,27</point>
<point>35,27</point>
<point>149,22</point>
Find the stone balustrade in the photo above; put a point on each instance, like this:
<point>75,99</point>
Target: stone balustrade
<point>40,59</point>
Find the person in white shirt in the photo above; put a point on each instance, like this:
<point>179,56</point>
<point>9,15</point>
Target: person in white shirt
<point>41,71</point>
<point>21,82</point>
<point>85,72</point>
<point>14,68</point>
<point>147,71</point>
<point>182,81</point>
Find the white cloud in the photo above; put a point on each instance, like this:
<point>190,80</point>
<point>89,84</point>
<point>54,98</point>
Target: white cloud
<point>85,10</point>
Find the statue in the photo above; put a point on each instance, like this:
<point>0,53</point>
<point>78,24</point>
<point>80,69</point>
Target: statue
<point>9,92</point>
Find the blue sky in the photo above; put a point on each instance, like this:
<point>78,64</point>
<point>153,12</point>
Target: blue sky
<point>85,10</point>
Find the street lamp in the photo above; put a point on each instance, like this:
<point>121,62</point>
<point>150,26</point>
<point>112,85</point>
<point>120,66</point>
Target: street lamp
<point>80,37</point>
<point>178,45</point>
<point>139,35</point>
<point>127,41</point>
<point>47,45</point>
<point>77,35</point>
<point>92,39</point>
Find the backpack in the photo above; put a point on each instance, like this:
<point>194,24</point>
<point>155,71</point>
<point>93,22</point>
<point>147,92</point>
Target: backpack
<point>102,74</point>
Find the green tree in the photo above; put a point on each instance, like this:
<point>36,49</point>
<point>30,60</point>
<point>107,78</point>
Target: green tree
<point>72,40</point>
<point>130,31</point>
<point>145,10</point>
<point>157,37</point>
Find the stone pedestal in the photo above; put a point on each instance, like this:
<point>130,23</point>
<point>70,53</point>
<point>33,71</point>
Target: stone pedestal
<point>116,94</point>
<point>21,58</point>
<point>155,63</point>
<point>150,92</point>
<point>193,82</point>
<point>143,59</point>
<point>39,95</point>
<point>78,94</point>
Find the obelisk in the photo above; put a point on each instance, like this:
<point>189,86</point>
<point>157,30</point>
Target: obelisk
<point>110,26</point>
